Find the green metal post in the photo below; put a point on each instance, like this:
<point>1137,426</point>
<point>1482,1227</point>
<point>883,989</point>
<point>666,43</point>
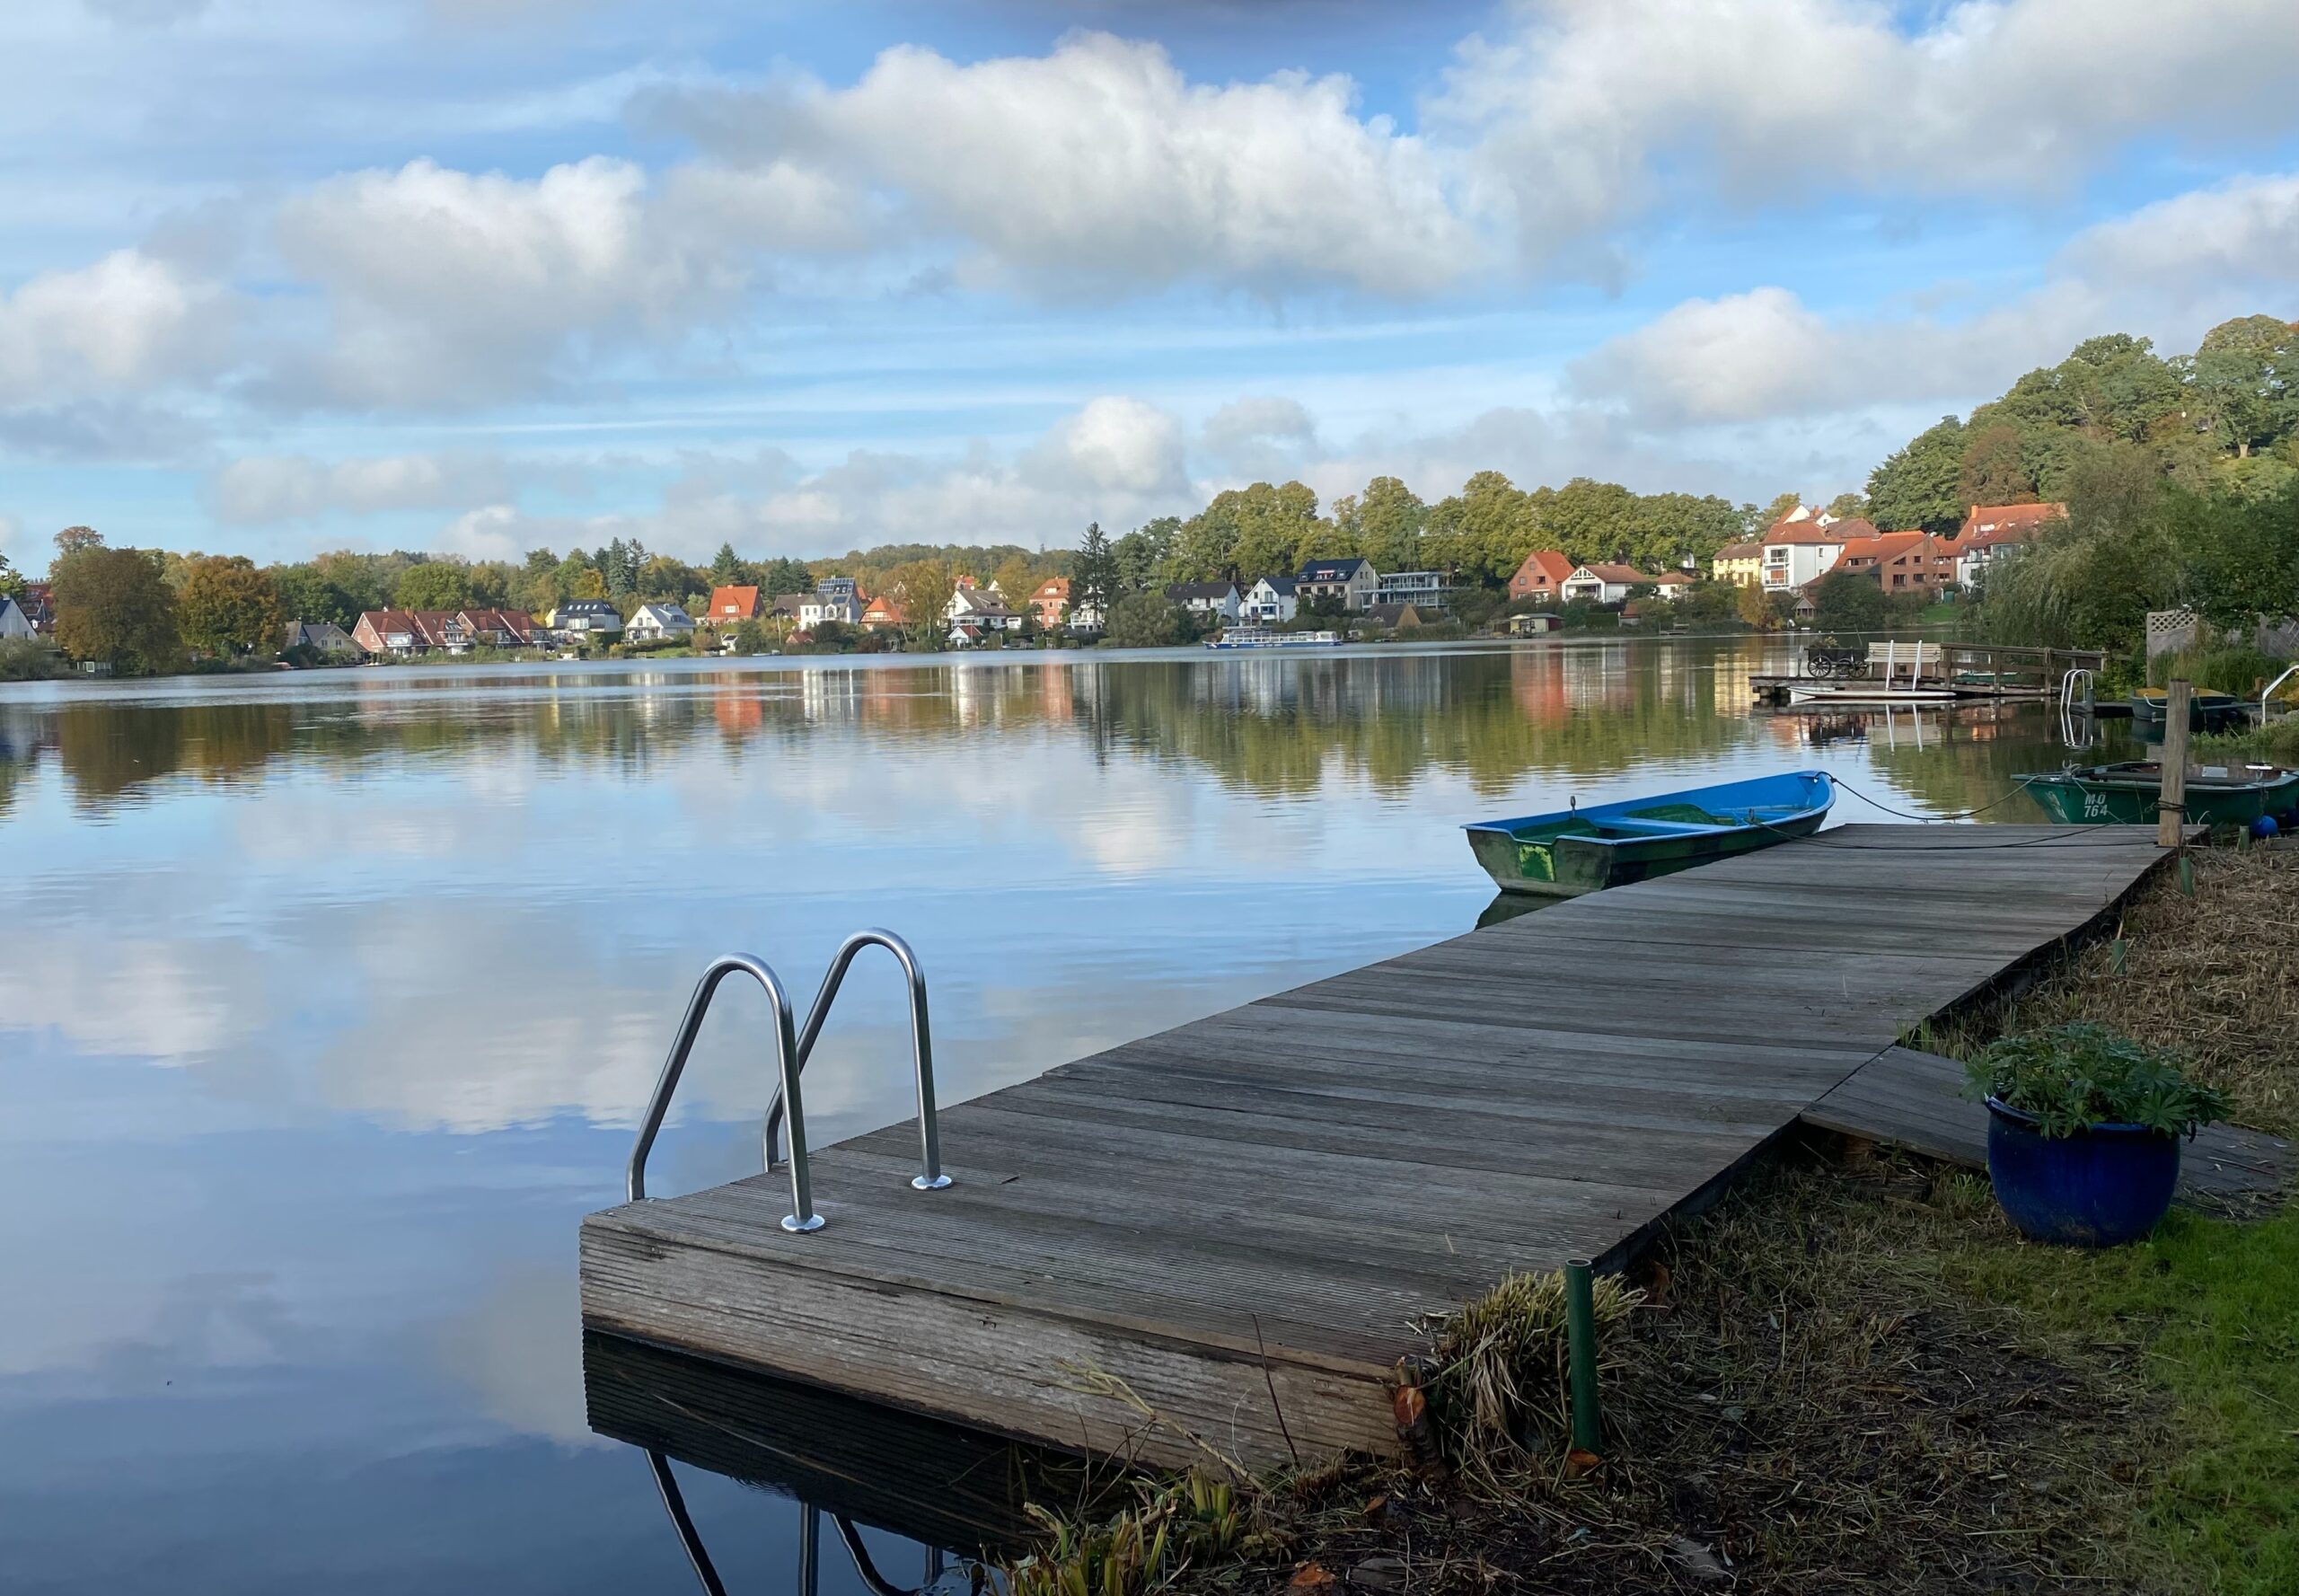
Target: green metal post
<point>1580,1352</point>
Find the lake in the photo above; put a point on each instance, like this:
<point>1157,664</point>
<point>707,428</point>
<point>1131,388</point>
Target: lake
<point>329,1001</point>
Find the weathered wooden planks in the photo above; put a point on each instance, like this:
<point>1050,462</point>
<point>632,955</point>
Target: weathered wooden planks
<point>1222,1234</point>
<point>1916,1100</point>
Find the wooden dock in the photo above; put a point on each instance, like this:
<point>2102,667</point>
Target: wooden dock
<point>1233,1225</point>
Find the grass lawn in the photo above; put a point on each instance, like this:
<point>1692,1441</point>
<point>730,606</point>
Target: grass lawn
<point>1854,1375</point>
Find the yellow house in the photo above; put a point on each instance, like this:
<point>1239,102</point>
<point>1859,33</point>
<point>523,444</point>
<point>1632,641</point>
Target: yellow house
<point>1741,564</point>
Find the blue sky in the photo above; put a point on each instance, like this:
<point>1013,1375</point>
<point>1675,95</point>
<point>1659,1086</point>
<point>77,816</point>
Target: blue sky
<point>484,275</point>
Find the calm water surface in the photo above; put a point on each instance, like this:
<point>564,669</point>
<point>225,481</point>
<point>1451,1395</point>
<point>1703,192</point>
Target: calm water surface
<point>328,1003</point>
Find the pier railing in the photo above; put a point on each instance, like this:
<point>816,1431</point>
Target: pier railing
<point>787,1110</point>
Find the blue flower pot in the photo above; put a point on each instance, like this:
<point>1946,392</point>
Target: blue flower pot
<point>2101,1188</point>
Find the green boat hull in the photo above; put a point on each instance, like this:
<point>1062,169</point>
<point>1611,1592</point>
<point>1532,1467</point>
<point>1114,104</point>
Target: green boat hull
<point>1565,863</point>
<point>2082,797</point>
<point>2207,711</point>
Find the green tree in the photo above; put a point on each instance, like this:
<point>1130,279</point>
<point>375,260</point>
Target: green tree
<point>433,585</point>
<point>1847,506</point>
<point>1144,621</point>
<point>1094,582</point>
<point>1915,486</point>
<point>2246,376</point>
<point>784,576</point>
<point>228,607</point>
<point>12,580</point>
<point>112,605</point>
<point>1844,601</point>
<point>306,595</point>
<point>1144,553</point>
<point>1995,468</point>
<point>1389,517</point>
<point>728,569</point>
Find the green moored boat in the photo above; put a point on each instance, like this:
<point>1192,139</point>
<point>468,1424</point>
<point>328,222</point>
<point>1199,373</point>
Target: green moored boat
<point>2127,793</point>
<point>1576,851</point>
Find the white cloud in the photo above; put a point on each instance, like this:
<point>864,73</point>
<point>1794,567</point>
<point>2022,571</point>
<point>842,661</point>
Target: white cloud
<point>267,487</point>
<point>2241,234</point>
<point>1260,437</point>
<point>128,323</point>
<point>1116,446</point>
<point>445,286</point>
<point>1100,168</point>
<point>1584,113</point>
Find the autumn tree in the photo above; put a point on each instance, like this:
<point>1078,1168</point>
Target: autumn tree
<point>228,607</point>
<point>1762,521</point>
<point>1995,466</point>
<point>71,540</point>
<point>111,605</point>
<point>923,589</point>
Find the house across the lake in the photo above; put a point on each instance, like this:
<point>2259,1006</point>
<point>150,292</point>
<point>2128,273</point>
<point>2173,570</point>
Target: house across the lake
<point>322,637</point>
<point>1542,572</point>
<point>15,626</point>
<point>1353,581</point>
<point>1426,591</point>
<point>582,618</point>
<point>731,606</point>
<point>1212,600</point>
<point>1271,601</point>
<point>654,623</point>
<point>1602,583</point>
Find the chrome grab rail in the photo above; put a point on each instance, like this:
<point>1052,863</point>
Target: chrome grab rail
<point>2068,688</point>
<point>921,1048</point>
<point>802,1216</point>
<point>2271,686</point>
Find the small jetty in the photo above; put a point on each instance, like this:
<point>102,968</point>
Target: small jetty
<point>1222,1235</point>
<point>1928,671</point>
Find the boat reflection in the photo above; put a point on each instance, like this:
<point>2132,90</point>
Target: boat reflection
<point>956,1495</point>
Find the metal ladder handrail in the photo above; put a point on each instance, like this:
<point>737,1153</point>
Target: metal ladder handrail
<point>2067,687</point>
<point>2288,672</point>
<point>802,1216</point>
<point>930,1177</point>
<point>706,1571</point>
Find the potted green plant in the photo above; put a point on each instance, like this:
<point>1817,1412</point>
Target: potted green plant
<point>2083,1130</point>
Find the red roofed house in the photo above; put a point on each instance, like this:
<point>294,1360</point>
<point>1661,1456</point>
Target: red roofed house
<point>405,632</point>
<point>883,614</point>
<point>1673,584</point>
<point>731,606</point>
<point>1543,573</point>
<point>1802,547</point>
<point>1901,561</point>
<point>1990,527</point>
<point>1050,599</point>
<point>498,628</point>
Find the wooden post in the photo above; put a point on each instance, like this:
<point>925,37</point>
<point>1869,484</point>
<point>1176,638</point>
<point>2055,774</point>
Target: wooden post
<point>2171,814</point>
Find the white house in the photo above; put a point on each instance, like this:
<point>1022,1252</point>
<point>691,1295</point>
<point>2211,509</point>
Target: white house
<point>1804,545</point>
<point>982,609</point>
<point>1353,581</point>
<point>1271,600</point>
<point>1215,600</point>
<point>1673,584</point>
<point>14,624</point>
<point>651,624</point>
<point>587,618</point>
<point>1602,583</point>
<point>1425,591</point>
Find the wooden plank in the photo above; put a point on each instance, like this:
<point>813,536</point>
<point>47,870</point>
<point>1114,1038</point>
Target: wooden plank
<point>1271,1197</point>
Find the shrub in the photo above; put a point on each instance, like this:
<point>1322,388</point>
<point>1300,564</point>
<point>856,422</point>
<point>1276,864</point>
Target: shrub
<point>27,659</point>
<point>2241,670</point>
<point>2073,1076</point>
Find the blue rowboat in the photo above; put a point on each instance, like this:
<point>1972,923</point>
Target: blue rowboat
<point>1576,851</point>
